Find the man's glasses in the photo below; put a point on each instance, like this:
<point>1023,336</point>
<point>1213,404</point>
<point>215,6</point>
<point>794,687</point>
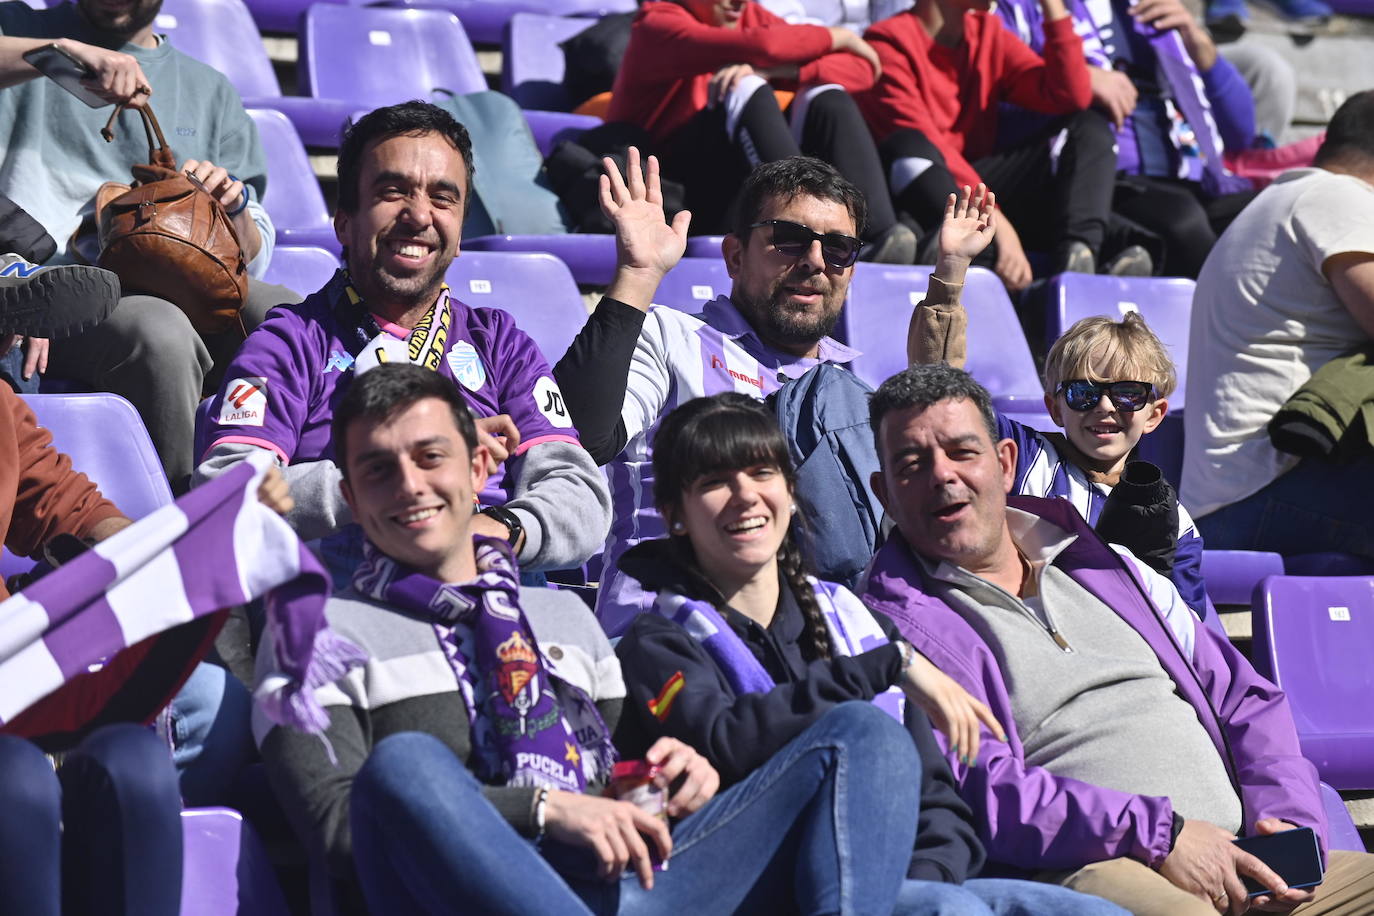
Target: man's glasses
<point>1081,394</point>
<point>794,240</point>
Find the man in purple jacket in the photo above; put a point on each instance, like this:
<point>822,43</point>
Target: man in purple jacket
<point>1139,742</point>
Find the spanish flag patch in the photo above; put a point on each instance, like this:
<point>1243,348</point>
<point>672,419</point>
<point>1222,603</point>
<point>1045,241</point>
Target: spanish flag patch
<point>660,704</point>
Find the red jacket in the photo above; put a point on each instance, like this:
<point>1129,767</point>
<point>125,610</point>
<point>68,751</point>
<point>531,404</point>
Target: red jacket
<point>951,94</point>
<point>672,55</point>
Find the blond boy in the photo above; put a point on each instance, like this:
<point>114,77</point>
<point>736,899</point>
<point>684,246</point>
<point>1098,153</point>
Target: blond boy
<point>1107,384</point>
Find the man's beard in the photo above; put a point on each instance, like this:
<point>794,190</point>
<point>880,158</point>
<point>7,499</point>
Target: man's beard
<point>125,25</point>
<point>410,290</point>
<point>778,320</point>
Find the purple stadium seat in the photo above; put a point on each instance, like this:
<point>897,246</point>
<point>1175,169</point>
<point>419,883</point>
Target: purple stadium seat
<point>485,20</point>
<point>536,288</point>
<point>1328,564</point>
<point>301,268</point>
<point>105,438</point>
<point>221,33</point>
<point>692,283</point>
<point>1166,303</point>
<point>1341,832</point>
<point>881,299</point>
<point>704,246</point>
<point>590,257</point>
<point>551,127</point>
<point>1353,7</point>
<point>281,15</point>
<point>1231,575</point>
<point>372,56</point>
<point>532,61</point>
<point>293,197</point>
<point>1314,637</point>
<point>225,870</point>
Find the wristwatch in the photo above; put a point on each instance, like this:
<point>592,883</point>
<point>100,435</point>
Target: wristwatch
<point>508,518</point>
<point>908,653</point>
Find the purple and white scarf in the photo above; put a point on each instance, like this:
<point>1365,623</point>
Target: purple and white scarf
<point>852,630</point>
<point>526,721</point>
<point>213,548</point>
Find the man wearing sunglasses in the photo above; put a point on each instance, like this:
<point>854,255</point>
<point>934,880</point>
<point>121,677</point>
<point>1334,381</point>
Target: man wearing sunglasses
<point>790,257</point>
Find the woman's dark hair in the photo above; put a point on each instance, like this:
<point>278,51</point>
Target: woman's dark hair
<point>727,432</point>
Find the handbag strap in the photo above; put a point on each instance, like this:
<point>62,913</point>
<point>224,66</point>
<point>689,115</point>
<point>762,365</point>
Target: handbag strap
<point>159,153</point>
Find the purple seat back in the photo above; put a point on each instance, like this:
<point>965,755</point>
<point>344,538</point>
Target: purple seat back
<point>293,198</point>
<point>1166,304</point>
<point>881,299</point>
<point>106,440</point>
<point>1314,637</point>
<point>221,33</point>
<point>1341,832</point>
<point>693,283</point>
<point>704,246</point>
<point>486,20</point>
<point>300,268</point>
<point>532,61</point>
<point>373,56</point>
<point>1231,575</point>
<point>535,287</point>
<point>281,15</point>
<point>551,127</point>
<point>590,257</point>
<point>225,870</point>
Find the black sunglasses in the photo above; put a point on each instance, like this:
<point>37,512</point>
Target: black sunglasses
<point>1081,394</point>
<point>794,240</point>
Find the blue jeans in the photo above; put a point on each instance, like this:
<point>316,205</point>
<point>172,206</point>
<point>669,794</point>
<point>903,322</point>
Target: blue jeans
<point>827,825</point>
<point>1318,506</point>
<point>998,897</point>
<point>212,738</point>
<point>101,836</point>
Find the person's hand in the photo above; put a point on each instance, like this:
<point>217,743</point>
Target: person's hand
<point>724,81</point>
<point>1294,896</point>
<point>501,437</point>
<point>274,493</point>
<point>849,42</point>
<point>678,761</point>
<point>646,246</point>
<point>226,189</point>
<point>969,226</point>
<point>1011,264</point>
<point>35,353</point>
<point>114,76</point>
<point>1114,93</point>
<point>951,708</point>
<point>1205,863</point>
<point>1172,14</point>
<point>610,828</point>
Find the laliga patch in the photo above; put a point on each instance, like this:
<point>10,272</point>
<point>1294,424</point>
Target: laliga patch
<point>549,399</point>
<point>245,402</point>
<point>467,366</point>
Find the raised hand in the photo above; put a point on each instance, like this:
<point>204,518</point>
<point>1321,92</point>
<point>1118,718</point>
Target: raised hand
<point>646,246</point>
<point>969,225</point>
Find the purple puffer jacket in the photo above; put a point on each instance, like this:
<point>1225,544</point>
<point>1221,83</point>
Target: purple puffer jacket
<point>1031,819</point>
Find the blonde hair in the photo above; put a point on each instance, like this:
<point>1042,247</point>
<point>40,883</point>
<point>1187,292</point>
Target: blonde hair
<point>1102,350</point>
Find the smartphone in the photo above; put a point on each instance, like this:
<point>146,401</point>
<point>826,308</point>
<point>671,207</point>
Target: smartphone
<point>65,70</point>
<point>1292,854</point>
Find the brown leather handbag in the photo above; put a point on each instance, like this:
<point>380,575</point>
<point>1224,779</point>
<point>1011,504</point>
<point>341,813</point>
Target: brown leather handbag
<point>167,236</point>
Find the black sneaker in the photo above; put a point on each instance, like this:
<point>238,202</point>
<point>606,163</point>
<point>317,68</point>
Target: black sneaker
<point>53,302</point>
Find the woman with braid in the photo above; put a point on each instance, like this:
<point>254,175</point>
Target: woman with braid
<point>743,651</point>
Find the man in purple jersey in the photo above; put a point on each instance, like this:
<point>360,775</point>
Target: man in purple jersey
<point>404,176</point>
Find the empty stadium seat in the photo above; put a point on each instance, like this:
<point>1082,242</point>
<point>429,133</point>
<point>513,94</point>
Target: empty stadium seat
<point>1231,575</point>
<point>551,127</point>
<point>1341,832</point>
<point>536,288</point>
<point>590,256</point>
<point>532,61</point>
<point>693,283</point>
<point>105,438</point>
<point>225,870</point>
<point>301,269</point>
<point>1314,637</point>
<point>1166,303</point>
<point>485,20</point>
<point>293,198</point>
<point>881,299</point>
<point>704,246</point>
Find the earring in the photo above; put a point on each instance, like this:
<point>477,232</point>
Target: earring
<point>794,508</point>
<point>678,528</point>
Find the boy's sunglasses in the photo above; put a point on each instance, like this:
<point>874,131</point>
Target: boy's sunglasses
<point>794,240</point>
<point>1081,394</point>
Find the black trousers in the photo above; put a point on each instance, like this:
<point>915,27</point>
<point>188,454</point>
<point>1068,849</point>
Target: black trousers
<point>712,163</point>
<point>1185,217</point>
<point>1049,202</point>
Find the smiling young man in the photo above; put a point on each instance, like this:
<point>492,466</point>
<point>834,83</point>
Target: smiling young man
<point>791,256</point>
<point>1140,743</point>
<point>405,172</point>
